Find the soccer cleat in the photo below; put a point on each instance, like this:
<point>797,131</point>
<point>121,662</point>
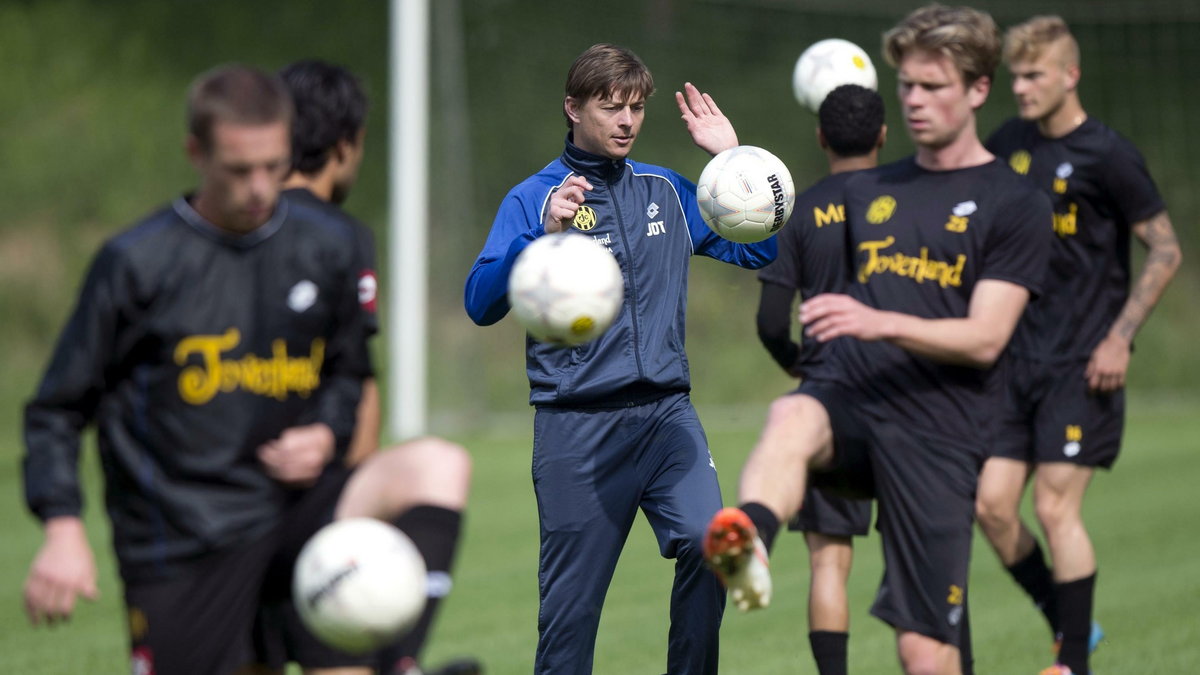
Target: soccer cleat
<point>1056,669</point>
<point>734,552</point>
<point>1094,639</point>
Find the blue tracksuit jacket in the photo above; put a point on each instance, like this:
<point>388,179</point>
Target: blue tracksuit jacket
<point>648,219</point>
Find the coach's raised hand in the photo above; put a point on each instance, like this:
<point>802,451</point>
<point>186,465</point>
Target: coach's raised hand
<point>709,127</point>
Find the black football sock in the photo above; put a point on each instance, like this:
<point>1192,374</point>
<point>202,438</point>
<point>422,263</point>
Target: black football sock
<point>435,531</point>
<point>1075,619</point>
<point>1033,576</point>
<point>829,651</point>
<point>764,519</point>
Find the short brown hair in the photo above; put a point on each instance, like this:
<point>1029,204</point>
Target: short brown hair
<point>606,70</point>
<point>237,94</point>
<point>1028,41</point>
<point>966,36</point>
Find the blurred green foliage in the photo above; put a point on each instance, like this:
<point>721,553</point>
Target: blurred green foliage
<point>92,108</point>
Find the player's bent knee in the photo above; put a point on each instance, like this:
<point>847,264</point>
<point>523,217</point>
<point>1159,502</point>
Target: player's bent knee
<point>804,421</point>
<point>425,470</point>
<point>1053,511</point>
<point>994,514</point>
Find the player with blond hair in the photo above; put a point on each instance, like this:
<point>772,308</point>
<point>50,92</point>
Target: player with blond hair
<point>947,248</point>
<point>1064,408</point>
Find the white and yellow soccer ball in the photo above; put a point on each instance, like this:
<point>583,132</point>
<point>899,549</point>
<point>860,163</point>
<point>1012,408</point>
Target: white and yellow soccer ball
<point>359,584</point>
<point>565,289</point>
<point>827,65</point>
<point>745,194</point>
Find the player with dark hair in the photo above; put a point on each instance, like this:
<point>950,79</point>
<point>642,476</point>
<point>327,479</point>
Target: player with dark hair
<point>219,346</point>
<point>948,245</point>
<point>614,428</point>
<point>328,137</point>
<point>1065,405</point>
<point>813,260</point>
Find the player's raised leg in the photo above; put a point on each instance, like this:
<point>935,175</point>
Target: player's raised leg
<point>797,434</point>
<point>421,486</point>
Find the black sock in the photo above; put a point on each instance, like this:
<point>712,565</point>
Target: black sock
<point>764,519</point>
<point>829,651</point>
<point>435,531</point>
<point>1033,576</point>
<point>1075,619</point>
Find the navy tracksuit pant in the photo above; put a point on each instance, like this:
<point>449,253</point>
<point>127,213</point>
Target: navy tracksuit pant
<point>592,470</point>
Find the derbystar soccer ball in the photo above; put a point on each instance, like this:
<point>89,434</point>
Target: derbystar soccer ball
<point>827,65</point>
<point>745,194</point>
<point>565,289</point>
<point>359,584</point>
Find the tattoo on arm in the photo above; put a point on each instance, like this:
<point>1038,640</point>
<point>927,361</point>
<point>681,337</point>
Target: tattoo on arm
<point>1162,260</point>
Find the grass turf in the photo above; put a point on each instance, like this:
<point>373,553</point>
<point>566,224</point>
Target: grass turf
<point>1141,519</point>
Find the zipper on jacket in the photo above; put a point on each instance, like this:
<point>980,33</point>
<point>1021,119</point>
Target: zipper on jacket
<point>633,294</point>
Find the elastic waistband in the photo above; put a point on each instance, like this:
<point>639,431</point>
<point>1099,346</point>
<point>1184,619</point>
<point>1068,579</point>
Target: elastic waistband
<point>629,396</point>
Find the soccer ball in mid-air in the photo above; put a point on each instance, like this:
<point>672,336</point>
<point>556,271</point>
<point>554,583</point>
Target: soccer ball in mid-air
<point>565,289</point>
<point>745,194</point>
<point>359,583</point>
<point>827,65</point>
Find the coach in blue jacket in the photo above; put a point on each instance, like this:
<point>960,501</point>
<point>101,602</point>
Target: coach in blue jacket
<point>615,429</point>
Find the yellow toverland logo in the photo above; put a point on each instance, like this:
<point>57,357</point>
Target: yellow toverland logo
<point>919,268</point>
<point>881,209</point>
<point>273,377</point>
<point>585,218</point>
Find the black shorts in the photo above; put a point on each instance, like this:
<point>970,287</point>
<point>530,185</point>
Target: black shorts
<point>233,607</point>
<point>924,486</point>
<point>1046,414</point>
<point>198,621</point>
<point>279,634</point>
<point>830,514</point>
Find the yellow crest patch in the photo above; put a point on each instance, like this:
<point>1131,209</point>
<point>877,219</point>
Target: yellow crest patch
<point>1020,162</point>
<point>585,218</point>
<point>881,209</point>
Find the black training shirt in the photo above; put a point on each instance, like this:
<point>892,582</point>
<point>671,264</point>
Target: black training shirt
<point>921,240</point>
<point>1099,186</point>
<point>812,254</point>
<point>188,349</point>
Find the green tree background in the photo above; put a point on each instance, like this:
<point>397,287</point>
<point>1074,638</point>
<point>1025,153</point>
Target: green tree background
<point>92,112</point>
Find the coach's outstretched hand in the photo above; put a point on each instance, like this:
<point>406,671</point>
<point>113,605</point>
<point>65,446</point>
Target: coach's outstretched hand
<point>709,127</point>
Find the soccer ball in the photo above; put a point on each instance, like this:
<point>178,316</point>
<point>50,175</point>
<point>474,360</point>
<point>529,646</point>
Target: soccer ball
<point>565,289</point>
<point>745,194</point>
<point>827,65</point>
<point>359,584</point>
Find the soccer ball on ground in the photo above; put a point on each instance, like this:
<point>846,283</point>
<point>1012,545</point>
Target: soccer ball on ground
<point>827,65</point>
<point>565,289</point>
<point>745,194</point>
<point>359,584</point>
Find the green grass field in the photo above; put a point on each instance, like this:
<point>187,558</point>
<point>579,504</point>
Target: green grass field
<point>1142,518</point>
